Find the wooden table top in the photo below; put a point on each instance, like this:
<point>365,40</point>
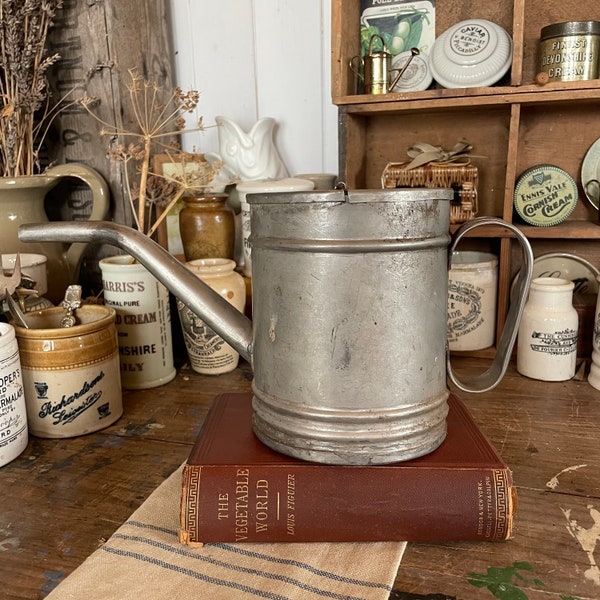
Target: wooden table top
<point>63,497</point>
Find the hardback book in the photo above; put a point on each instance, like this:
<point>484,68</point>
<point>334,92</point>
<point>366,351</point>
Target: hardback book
<point>236,489</point>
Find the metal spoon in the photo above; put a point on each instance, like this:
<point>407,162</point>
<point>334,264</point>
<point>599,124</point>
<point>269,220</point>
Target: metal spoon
<point>71,302</point>
<point>15,310</point>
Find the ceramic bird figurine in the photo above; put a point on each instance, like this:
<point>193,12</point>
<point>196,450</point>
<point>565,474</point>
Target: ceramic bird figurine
<point>250,155</point>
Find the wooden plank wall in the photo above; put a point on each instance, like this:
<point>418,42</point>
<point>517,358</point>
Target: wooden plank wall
<point>253,59</point>
<point>99,42</point>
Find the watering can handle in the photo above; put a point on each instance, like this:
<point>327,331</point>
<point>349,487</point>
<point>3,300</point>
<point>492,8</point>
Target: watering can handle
<point>491,377</point>
<point>356,69</point>
<point>380,38</point>
<point>100,201</point>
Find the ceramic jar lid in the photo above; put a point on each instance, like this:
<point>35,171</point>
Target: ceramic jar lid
<point>472,53</point>
<point>265,186</point>
<point>545,195</point>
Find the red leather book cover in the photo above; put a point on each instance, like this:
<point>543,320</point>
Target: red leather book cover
<point>236,489</point>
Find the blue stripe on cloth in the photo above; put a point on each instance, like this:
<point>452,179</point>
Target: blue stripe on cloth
<point>213,561</point>
<point>189,573</point>
<point>151,527</point>
<point>274,559</point>
<point>302,565</point>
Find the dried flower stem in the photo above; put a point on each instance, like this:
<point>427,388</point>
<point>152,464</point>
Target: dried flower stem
<point>166,210</point>
<point>144,183</point>
<point>155,121</point>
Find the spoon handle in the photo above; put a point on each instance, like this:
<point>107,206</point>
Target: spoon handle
<point>15,310</point>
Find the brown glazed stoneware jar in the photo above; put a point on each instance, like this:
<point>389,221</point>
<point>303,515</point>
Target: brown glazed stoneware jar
<point>207,227</point>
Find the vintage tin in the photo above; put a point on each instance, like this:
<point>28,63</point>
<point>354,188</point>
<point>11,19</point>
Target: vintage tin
<point>569,51</point>
<point>545,195</point>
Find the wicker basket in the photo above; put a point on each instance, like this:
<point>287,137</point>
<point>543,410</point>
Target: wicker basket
<point>462,179</point>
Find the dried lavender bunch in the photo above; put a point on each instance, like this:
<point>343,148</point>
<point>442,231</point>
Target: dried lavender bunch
<point>24,94</point>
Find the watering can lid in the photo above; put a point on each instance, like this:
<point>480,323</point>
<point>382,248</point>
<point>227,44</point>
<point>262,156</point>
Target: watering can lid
<point>352,196</point>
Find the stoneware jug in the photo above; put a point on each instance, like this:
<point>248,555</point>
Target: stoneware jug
<point>22,201</point>
<point>348,340</point>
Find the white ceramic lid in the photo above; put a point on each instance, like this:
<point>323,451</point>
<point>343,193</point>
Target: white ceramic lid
<point>288,184</point>
<point>472,53</point>
<point>417,76</point>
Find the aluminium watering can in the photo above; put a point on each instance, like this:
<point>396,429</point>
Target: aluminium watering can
<point>348,339</point>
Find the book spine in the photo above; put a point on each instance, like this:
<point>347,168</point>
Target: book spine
<point>291,503</point>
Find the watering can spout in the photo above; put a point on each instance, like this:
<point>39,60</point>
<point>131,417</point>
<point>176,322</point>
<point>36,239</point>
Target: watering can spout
<point>222,317</point>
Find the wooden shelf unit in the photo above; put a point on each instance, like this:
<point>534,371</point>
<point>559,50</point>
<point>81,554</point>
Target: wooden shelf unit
<point>512,126</point>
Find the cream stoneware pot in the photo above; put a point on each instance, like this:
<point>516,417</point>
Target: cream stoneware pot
<point>143,321</point>
<point>594,375</point>
<point>207,351</point>
<point>472,299</point>
<point>547,343</point>
<point>70,374</point>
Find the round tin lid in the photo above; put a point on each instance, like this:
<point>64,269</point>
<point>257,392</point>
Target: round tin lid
<point>417,76</point>
<point>545,195</point>
<point>570,28</point>
<point>351,196</point>
<point>471,53</point>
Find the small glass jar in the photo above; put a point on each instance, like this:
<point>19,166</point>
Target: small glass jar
<point>207,227</point>
<point>547,343</point>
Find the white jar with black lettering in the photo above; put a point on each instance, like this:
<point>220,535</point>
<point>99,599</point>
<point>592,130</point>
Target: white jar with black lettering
<point>13,412</point>
<point>208,353</point>
<point>547,343</point>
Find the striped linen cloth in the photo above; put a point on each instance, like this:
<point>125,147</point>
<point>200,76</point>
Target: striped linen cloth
<point>144,559</point>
